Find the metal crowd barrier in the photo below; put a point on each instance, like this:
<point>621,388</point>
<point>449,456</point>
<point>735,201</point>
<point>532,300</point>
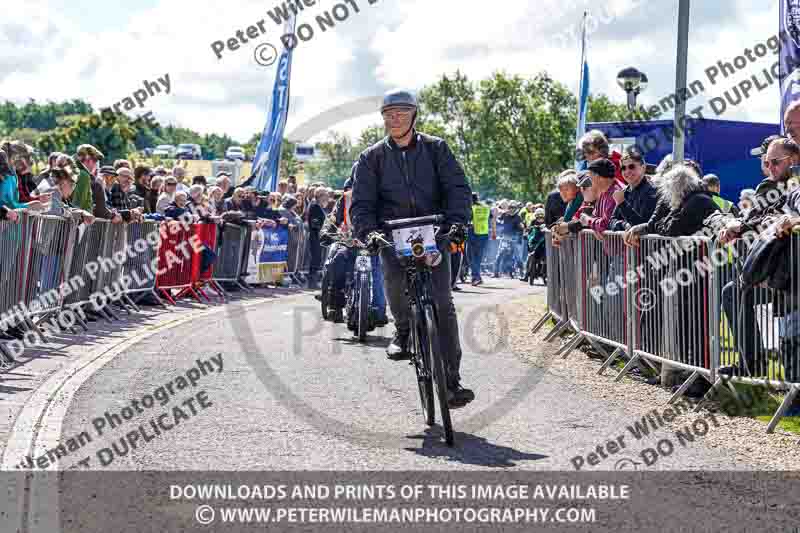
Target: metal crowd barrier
<point>91,247</point>
<point>50,264</point>
<point>758,337</point>
<point>112,257</point>
<point>561,288</point>
<point>141,265</point>
<point>15,241</point>
<point>232,243</point>
<point>206,235</point>
<point>174,264</point>
<point>680,302</point>
<point>47,257</point>
<point>298,250</point>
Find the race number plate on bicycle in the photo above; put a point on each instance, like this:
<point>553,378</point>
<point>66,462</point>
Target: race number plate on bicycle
<point>405,237</point>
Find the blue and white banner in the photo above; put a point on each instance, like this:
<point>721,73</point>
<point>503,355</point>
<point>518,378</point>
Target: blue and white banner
<point>583,95</point>
<point>266,162</point>
<point>789,53</point>
<point>276,245</point>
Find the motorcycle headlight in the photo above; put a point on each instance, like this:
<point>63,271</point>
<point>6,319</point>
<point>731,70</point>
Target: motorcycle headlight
<point>363,263</point>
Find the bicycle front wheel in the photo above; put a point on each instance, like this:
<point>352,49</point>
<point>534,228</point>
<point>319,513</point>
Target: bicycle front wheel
<point>422,365</point>
<point>439,371</point>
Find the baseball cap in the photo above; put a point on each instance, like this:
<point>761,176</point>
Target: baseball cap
<point>584,179</point>
<point>170,179</point>
<point>761,150</point>
<point>603,168</point>
<point>125,171</point>
<point>633,152</point>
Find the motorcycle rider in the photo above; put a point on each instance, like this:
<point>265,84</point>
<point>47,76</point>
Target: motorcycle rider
<point>341,266</point>
<point>536,246</point>
<point>409,174</point>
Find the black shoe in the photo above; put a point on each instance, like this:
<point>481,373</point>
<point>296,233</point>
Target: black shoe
<point>456,288</point>
<point>381,321</point>
<point>338,316</point>
<point>15,333</point>
<point>458,397</point>
<point>398,349</point>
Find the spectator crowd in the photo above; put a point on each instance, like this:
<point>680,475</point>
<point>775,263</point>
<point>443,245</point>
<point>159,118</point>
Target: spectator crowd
<point>616,192</point>
<point>671,198</point>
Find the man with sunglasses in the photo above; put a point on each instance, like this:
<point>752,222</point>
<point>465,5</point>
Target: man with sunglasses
<point>406,175</point>
<point>637,202</point>
<point>781,155</point>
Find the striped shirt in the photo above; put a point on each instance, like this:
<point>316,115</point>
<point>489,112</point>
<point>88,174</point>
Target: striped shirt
<point>604,209</point>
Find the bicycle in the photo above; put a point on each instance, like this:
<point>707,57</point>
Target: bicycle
<point>414,242</point>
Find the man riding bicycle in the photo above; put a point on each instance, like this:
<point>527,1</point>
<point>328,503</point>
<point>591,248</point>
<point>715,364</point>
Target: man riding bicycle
<point>407,175</point>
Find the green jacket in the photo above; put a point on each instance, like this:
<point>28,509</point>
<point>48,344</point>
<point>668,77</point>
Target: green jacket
<point>82,196</point>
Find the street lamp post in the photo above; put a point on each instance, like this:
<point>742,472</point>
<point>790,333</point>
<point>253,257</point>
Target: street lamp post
<point>633,82</point>
<point>680,79</point>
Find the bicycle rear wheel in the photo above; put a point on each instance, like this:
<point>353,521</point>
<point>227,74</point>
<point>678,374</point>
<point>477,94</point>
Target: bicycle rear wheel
<point>422,365</point>
<point>363,306</point>
<point>439,371</point>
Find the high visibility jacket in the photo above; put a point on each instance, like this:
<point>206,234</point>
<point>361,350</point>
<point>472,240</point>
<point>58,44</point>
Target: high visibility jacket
<point>724,205</point>
<point>480,219</point>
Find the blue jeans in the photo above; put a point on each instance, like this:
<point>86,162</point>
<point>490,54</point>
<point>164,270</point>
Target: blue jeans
<point>522,250</point>
<point>477,247</point>
<point>378,296</point>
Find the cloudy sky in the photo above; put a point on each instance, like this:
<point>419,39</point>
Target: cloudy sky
<point>102,52</point>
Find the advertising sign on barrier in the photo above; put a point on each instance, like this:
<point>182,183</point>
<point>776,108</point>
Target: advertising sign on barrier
<point>273,254</point>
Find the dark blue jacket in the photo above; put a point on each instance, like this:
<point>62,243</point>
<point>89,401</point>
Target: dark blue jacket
<point>421,179</point>
<point>509,224</point>
<point>173,211</point>
<point>638,207</point>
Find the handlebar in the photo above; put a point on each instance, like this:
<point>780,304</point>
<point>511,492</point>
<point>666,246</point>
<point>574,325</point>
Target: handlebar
<point>411,222</point>
<point>349,242</point>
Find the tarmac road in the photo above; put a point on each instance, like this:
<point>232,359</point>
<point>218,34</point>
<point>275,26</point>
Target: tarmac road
<point>296,393</point>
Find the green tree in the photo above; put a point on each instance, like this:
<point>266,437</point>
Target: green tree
<point>111,135</point>
<point>336,157</point>
<point>451,107</point>
<point>601,109</point>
